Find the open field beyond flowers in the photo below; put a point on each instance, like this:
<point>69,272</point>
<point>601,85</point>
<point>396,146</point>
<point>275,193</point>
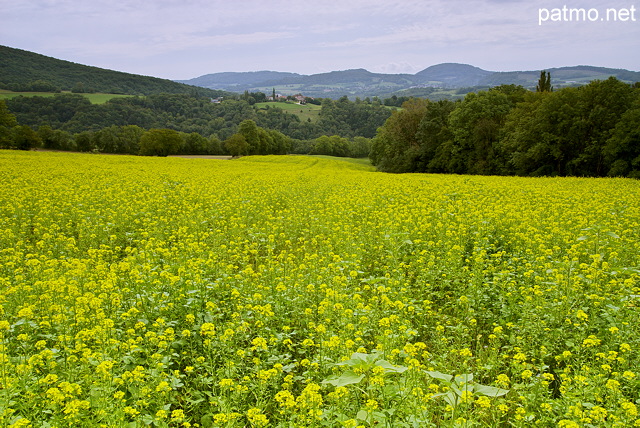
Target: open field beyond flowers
<point>296,291</point>
<point>95,98</point>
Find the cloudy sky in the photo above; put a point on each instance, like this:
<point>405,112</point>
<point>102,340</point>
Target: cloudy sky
<point>188,38</point>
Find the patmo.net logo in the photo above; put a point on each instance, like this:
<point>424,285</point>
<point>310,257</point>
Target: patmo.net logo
<point>567,14</point>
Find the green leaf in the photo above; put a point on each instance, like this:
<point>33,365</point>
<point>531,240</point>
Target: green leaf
<point>19,322</point>
<point>176,383</point>
<point>438,375</point>
<point>457,391</point>
<point>362,415</point>
<point>490,391</point>
<point>357,358</point>
<point>379,417</point>
<point>346,378</point>
<point>392,389</point>
<point>613,235</point>
<point>388,367</point>
<point>178,344</point>
<point>451,399</point>
<point>207,420</point>
<point>464,378</point>
<point>289,367</point>
<point>147,419</point>
<point>374,280</point>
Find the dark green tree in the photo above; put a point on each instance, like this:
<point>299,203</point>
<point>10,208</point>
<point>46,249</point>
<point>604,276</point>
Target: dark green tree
<point>41,86</point>
<point>24,138</point>
<point>330,146</point>
<point>78,88</point>
<point>55,139</point>
<point>236,145</point>
<point>544,83</point>
<point>322,146</point>
<point>107,139</point>
<point>195,144</point>
<point>542,135</point>
<point>341,146</point>
<point>7,123</point>
<point>214,146</point>
<point>602,104</point>
<point>622,149</point>
<point>475,125</point>
<point>360,147</point>
<point>118,139</point>
<point>129,139</point>
<point>526,138</point>
<point>84,141</point>
<point>7,118</point>
<point>396,146</point>
<point>249,130</point>
<point>515,93</point>
<point>160,142</point>
<point>280,144</point>
<point>567,132</point>
<point>433,133</point>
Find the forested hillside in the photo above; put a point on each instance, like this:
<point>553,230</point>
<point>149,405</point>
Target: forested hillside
<point>71,122</point>
<point>592,130</point>
<point>27,71</point>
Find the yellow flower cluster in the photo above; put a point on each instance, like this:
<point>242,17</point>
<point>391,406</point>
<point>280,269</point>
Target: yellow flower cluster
<point>184,292</point>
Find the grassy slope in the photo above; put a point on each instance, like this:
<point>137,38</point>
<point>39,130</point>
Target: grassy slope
<point>304,112</point>
<point>363,164</point>
<point>97,98</point>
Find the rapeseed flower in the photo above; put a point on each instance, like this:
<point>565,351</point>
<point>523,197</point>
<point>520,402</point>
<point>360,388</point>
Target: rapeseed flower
<point>257,279</point>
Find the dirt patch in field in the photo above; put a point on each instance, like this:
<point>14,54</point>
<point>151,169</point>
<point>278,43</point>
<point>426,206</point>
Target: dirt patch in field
<point>202,157</point>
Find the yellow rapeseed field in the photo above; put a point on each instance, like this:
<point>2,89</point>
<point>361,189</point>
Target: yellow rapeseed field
<point>296,291</point>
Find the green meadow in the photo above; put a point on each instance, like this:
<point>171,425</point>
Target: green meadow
<point>97,98</point>
<point>304,111</point>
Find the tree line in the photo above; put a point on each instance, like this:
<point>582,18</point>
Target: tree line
<point>592,130</point>
<point>166,125</point>
<point>187,113</point>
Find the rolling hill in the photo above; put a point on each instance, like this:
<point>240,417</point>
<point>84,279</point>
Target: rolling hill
<point>333,84</point>
<point>452,75</point>
<point>23,70</point>
<point>363,83</point>
<point>232,81</point>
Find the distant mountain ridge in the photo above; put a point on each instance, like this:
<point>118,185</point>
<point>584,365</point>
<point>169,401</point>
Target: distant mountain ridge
<point>231,79</point>
<point>453,75</point>
<point>360,82</point>
<point>19,68</point>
